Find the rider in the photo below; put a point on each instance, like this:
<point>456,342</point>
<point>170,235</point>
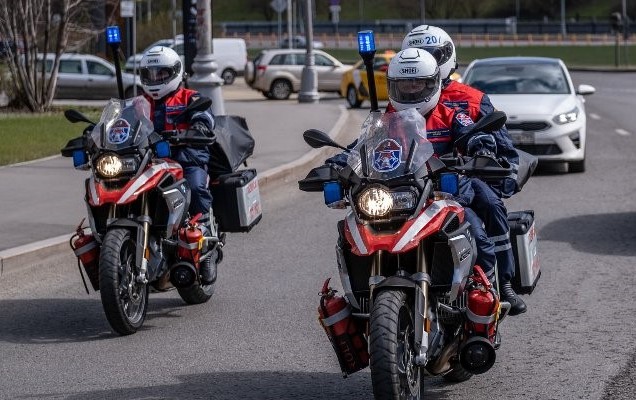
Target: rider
<point>414,81</point>
<point>161,72</point>
<point>488,197</point>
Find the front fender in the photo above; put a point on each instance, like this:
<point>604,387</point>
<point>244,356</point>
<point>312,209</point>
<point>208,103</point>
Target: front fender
<point>137,229</point>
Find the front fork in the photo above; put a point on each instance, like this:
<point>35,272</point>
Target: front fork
<point>422,279</point>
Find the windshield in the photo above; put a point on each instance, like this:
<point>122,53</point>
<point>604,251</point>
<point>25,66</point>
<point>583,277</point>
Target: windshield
<point>124,124</point>
<point>528,78</point>
<point>391,145</point>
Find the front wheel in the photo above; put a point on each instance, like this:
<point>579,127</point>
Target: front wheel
<point>281,89</point>
<point>125,300</point>
<point>394,374</point>
<point>228,75</point>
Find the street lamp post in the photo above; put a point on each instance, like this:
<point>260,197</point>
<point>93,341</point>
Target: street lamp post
<point>204,79</point>
<point>309,80</point>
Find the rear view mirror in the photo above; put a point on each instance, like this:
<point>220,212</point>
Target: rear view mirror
<point>318,139</point>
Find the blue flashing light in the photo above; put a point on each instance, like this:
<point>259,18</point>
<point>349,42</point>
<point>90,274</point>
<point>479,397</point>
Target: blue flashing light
<point>112,35</point>
<point>162,149</point>
<point>79,158</point>
<point>332,192</point>
<point>366,42</point>
<point>449,183</point>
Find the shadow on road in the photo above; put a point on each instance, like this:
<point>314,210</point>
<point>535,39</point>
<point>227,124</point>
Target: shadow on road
<point>611,234</point>
<point>258,385</point>
<point>41,321</point>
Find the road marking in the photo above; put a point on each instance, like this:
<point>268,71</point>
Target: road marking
<point>622,132</point>
<point>595,116</point>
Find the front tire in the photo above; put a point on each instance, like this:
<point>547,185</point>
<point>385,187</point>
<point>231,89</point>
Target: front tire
<point>228,75</point>
<point>125,300</point>
<point>281,89</point>
<point>394,374</point>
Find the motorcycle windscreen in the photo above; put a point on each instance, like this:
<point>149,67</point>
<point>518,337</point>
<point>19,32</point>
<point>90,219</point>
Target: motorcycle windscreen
<point>123,124</point>
<point>391,145</point>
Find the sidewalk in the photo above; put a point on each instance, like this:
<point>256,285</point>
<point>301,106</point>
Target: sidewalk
<point>42,201</point>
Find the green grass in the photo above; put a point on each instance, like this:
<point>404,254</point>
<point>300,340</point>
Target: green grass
<point>25,137</point>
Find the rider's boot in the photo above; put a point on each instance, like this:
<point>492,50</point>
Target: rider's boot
<point>211,251</point>
<point>517,306</point>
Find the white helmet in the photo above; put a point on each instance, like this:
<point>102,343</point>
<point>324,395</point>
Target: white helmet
<point>437,42</point>
<point>161,72</point>
<point>413,80</point>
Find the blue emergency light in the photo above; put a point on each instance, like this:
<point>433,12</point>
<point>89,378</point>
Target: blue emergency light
<point>366,42</point>
<point>332,192</point>
<point>112,35</point>
<point>162,149</point>
<point>79,158</point>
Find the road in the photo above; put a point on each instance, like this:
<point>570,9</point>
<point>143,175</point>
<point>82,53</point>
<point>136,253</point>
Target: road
<point>259,338</point>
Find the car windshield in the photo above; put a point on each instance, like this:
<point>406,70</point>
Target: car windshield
<point>391,145</point>
<point>526,78</point>
<point>123,124</point>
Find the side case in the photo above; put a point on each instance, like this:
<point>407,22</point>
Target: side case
<point>523,237</point>
<point>237,201</point>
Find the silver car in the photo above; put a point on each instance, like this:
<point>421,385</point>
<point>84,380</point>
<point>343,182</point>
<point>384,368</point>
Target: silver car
<point>277,73</point>
<point>88,77</point>
<point>546,114</point>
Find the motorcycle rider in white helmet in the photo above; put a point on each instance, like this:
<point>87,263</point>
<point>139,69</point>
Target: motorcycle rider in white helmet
<point>162,74</point>
<point>488,198</point>
<point>414,81</point>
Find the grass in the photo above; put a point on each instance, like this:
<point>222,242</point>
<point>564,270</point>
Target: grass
<point>25,137</point>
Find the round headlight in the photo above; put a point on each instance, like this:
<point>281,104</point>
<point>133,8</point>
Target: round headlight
<point>375,202</point>
<point>109,166</point>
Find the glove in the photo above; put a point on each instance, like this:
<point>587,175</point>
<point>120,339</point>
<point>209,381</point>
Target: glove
<point>481,144</point>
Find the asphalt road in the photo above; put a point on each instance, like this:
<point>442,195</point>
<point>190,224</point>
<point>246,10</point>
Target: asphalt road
<point>259,337</point>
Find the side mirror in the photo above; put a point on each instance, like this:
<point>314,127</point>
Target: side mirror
<point>318,139</point>
<point>585,90</point>
<point>74,116</point>
<point>200,104</point>
<point>491,122</point>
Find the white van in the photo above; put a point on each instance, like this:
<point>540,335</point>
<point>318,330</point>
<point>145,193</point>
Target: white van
<point>230,55</point>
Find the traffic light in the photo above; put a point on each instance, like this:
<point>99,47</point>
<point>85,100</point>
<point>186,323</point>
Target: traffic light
<point>616,20</point>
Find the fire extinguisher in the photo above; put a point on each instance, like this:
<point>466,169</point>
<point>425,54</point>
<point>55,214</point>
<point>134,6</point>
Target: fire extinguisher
<point>483,306</point>
<point>86,250</point>
<point>344,332</point>
<point>191,241</point>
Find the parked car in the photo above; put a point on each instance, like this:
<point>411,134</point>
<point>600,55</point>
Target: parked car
<point>354,85</point>
<point>300,42</point>
<point>85,76</point>
<point>230,55</point>
<point>546,114</point>
<point>277,72</point>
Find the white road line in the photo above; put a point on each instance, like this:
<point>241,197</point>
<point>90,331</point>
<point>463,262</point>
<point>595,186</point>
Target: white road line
<point>594,116</point>
<point>622,132</point>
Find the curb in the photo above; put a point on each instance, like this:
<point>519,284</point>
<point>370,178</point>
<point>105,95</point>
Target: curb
<point>16,258</point>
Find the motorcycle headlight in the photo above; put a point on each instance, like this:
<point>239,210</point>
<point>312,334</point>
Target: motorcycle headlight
<point>378,201</point>
<point>567,117</point>
<point>111,165</point>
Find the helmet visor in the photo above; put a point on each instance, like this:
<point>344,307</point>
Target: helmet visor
<point>413,90</point>
<point>156,75</point>
<point>441,53</point>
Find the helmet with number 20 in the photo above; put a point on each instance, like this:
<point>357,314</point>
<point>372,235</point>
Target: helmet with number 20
<point>438,43</point>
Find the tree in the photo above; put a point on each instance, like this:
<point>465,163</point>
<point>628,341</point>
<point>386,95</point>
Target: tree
<point>34,27</point>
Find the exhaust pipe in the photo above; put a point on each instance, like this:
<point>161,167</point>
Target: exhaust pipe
<point>183,275</point>
<point>477,355</point>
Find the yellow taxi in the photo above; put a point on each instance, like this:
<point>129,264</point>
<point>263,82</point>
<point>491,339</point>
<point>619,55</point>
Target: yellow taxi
<point>354,85</point>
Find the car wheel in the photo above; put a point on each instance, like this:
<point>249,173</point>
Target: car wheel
<point>228,76</point>
<point>576,166</point>
<point>352,97</point>
<point>267,94</point>
<point>280,89</point>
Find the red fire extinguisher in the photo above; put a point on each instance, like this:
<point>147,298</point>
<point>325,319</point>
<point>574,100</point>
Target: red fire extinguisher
<point>344,332</point>
<point>86,249</point>
<point>191,241</point>
<point>483,306</point>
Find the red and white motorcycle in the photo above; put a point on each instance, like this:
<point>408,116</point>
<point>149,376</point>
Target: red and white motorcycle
<point>414,302</point>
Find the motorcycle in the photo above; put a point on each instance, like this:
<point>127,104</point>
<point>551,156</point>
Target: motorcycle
<point>415,303</point>
<point>141,234</point>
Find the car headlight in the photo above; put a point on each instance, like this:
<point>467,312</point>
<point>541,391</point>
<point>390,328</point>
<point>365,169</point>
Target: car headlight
<point>378,202</point>
<point>567,117</point>
<point>111,165</point>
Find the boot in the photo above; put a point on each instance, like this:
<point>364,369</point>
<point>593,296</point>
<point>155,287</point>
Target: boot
<point>517,306</point>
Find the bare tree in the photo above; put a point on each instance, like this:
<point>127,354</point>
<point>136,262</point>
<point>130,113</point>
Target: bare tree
<point>36,27</point>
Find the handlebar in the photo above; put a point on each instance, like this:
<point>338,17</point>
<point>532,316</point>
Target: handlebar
<point>180,137</point>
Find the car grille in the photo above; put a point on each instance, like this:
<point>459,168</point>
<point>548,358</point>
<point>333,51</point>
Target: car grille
<point>528,125</point>
<point>539,149</point>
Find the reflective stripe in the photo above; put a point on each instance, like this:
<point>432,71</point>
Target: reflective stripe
<point>88,246</point>
<point>189,246</point>
<point>479,319</point>
<point>500,238</point>
<point>506,246</point>
<point>337,317</point>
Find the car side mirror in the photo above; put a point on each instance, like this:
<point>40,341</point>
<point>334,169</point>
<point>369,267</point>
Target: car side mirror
<point>585,90</point>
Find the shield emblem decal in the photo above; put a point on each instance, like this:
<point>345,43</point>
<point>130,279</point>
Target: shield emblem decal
<point>387,155</point>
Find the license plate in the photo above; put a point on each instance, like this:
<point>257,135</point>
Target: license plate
<point>522,137</point>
